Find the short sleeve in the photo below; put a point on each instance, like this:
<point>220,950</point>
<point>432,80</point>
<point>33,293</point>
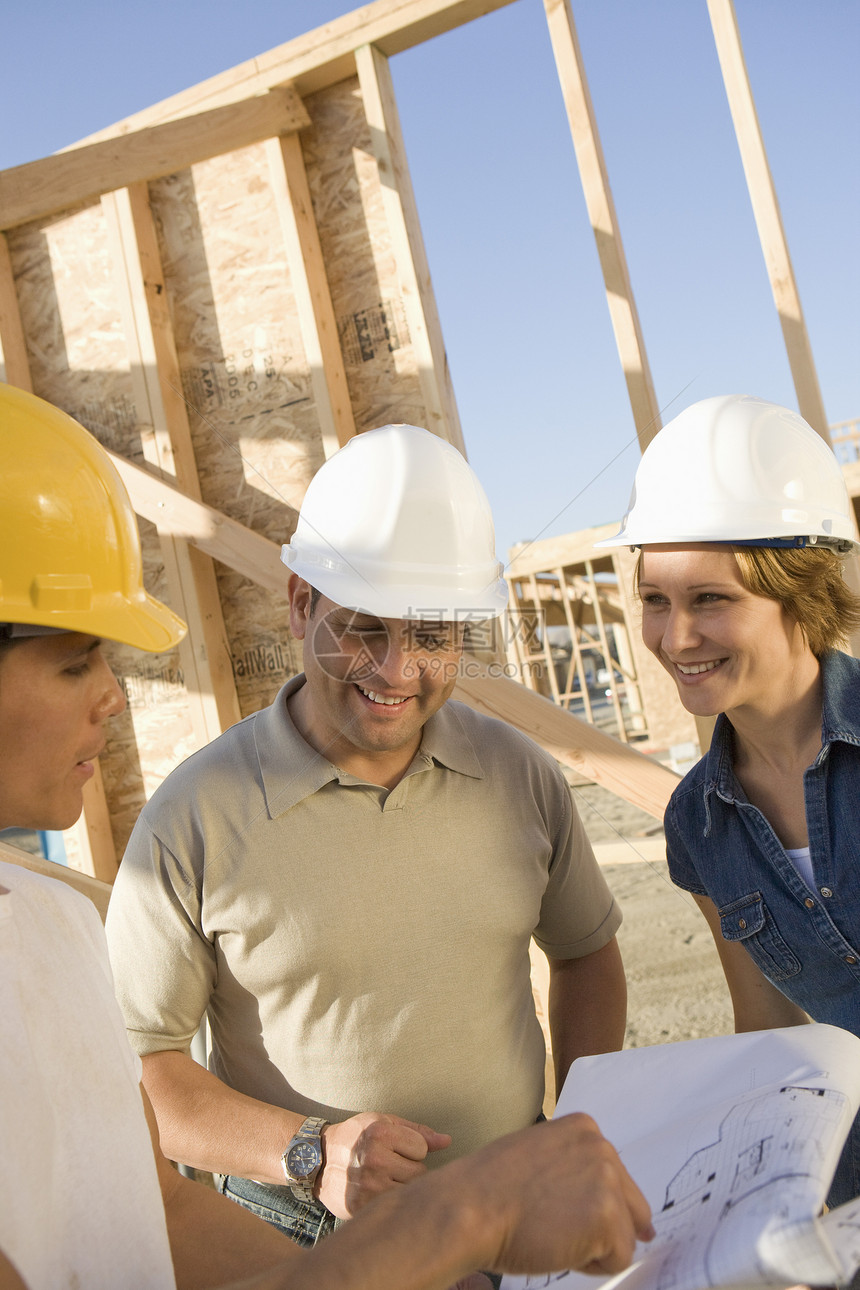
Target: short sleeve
<point>579,914</point>
<point>682,870</point>
<point>153,927</point>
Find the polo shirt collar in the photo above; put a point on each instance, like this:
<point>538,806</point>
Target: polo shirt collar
<point>445,741</point>
<point>291,770</point>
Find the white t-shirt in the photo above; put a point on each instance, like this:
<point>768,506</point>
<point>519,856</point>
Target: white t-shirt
<point>801,858</point>
<point>80,1204</point>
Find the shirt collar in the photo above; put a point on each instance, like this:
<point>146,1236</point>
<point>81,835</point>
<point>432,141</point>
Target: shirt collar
<point>447,742</point>
<point>841,710</point>
<point>840,722</point>
<point>291,770</point>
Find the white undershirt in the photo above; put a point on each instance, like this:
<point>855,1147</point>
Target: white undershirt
<point>802,861</point>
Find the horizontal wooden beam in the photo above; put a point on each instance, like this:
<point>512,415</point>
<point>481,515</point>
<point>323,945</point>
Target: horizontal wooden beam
<point>39,188</point>
<point>594,755</point>
<point>94,888</point>
<point>575,743</point>
<point>318,58</point>
<point>548,554</point>
<point>240,548</point>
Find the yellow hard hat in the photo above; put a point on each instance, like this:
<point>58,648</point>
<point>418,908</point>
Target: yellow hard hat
<point>69,545</point>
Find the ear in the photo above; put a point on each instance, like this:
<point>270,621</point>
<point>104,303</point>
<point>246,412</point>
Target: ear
<point>300,606</point>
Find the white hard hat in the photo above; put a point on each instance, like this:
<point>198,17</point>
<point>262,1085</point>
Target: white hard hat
<point>396,524</point>
<point>742,471</point>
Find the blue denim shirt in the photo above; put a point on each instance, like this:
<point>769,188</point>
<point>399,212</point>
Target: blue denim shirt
<point>806,941</point>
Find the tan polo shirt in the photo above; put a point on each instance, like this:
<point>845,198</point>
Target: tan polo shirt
<point>357,948</point>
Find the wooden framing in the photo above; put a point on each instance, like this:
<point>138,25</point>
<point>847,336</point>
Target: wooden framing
<point>767,214</point>
<point>585,594</point>
<point>604,221</point>
<point>228,286</point>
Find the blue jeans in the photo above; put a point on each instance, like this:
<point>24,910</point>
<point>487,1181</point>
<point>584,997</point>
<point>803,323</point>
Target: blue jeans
<point>303,1223</point>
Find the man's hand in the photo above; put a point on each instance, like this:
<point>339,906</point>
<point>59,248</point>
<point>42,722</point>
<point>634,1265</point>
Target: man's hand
<point>563,1200</point>
<point>370,1153</point>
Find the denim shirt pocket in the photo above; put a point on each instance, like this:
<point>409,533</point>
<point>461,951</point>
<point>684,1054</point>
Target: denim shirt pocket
<point>749,921</point>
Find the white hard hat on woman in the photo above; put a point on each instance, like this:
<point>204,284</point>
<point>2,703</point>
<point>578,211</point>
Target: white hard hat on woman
<point>741,470</point>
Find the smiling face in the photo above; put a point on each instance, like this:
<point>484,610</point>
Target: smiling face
<point>55,694</point>
<point>724,647</point>
<point>371,683</point>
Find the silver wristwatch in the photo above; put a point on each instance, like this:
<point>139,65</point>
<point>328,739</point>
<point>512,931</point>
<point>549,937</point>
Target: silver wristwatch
<point>303,1159</point>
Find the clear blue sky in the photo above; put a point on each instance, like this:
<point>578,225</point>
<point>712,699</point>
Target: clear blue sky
<point>536,374</point>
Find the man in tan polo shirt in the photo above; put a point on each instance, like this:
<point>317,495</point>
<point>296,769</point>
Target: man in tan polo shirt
<point>347,882</point>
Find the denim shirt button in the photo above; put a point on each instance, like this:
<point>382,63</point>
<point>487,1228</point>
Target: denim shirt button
<point>826,892</point>
<point>809,903</point>
<point>742,922</point>
<point>850,958</point>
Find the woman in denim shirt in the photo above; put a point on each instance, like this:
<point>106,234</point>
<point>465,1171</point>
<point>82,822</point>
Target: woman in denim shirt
<point>742,517</point>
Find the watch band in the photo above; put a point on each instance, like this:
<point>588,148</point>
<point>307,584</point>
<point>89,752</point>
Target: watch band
<point>302,1160</point>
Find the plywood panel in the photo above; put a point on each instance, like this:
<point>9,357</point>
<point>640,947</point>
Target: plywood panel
<point>378,353</point>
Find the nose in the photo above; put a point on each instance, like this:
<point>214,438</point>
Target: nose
<point>679,631</point>
<point>400,664</point>
<point>110,696</point>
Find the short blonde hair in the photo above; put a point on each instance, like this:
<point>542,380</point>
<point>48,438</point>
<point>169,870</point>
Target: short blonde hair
<point>808,583</point>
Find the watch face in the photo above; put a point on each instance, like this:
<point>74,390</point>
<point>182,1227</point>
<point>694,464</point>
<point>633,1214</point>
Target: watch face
<point>302,1159</point>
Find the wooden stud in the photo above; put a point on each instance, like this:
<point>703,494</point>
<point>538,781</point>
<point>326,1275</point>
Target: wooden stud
<point>413,271</point>
<point>292,196</point>
<point>767,214</point>
<point>576,664</point>
<point>39,188</point>
<point>604,221</point>
<point>205,652</point>
<point>94,851</point>
<point>604,646</point>
<point>14,361</point>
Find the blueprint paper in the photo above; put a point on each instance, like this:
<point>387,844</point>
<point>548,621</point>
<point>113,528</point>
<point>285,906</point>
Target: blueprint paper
<point>734,1141</point>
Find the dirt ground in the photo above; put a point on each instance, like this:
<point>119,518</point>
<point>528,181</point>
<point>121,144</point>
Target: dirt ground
<point>675,984</point>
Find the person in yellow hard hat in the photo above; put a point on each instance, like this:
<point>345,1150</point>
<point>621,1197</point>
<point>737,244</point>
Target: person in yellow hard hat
<point>88,1198</point>
<point>347,882</point>
<point>743,522</point>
